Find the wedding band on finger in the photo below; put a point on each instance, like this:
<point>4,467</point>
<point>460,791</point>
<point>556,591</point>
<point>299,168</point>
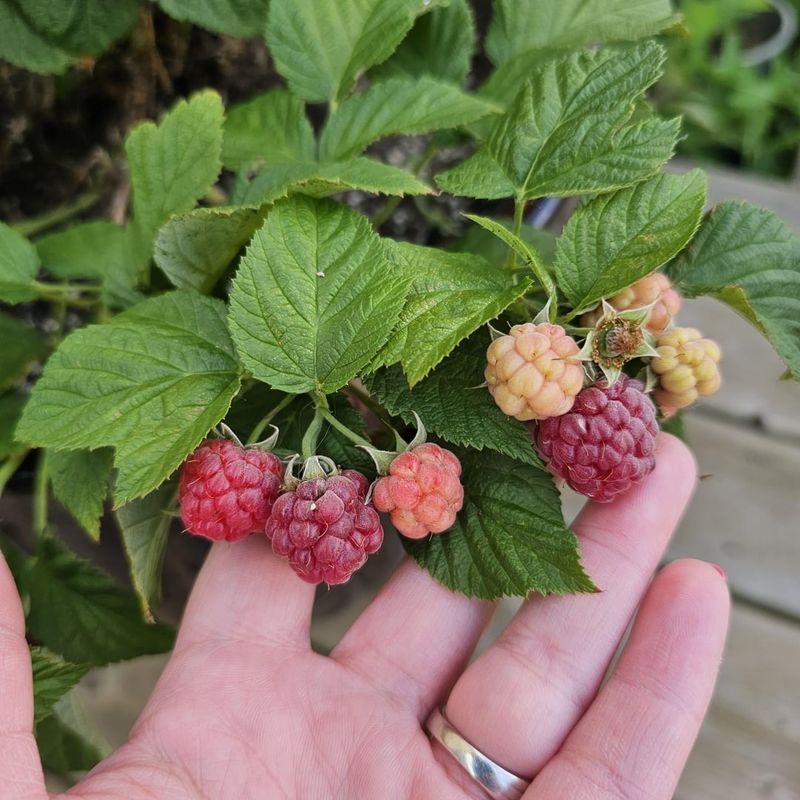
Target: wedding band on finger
<point>498,783</point>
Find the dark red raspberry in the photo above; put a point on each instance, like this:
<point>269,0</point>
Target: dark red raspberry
<point>605,443</point>
<point>226,491</point>
<point>324,527</point>
<point>422,491</point>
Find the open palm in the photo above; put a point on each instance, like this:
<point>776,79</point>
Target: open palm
<point>245,709</point>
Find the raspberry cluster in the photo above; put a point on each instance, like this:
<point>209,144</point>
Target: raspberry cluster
<point>325,528</point>
<point>422,491</point>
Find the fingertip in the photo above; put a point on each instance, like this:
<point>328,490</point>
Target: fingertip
<point>673,455</point>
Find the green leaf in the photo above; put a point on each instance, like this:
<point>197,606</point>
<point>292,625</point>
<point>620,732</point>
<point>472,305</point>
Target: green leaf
<point>399,105</point>
<point>521,248</point>
<point>18,267</point>
<point>518,48</point>
<point>570,24</point>
<point>510,537</point>
<point>271,127</point>
<point>244,18</point>
<point>11,405</point>
<point>494,249</point>
<point>80,482</point>
<point>144,525</point>
<point>569,130</point>
<point>617,238</point>
<point>322,46</point>
<point>44,35</point>
<point>193,250</point>
<point>78,251</point>
<point>441,44</point>
<point>53,677</point>
<point>747,257</point>
<point>23,346</point>
<point>97,250</point>
<point>315,297</point>
<point>151,383</point>
<point>174,163</point>
<point>77,611</point>
<point>65,741</point>
<point>451,295</point>
<point>278,181</point>
<point>455,405</point>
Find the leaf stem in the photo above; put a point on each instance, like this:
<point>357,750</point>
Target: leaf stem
<point>519,211</point>
<point>255,434</point>
<point>34,225</point>
<point>10,466</point>
<point>309,444</point>
<point>343,429</point>
<point>40,495</point>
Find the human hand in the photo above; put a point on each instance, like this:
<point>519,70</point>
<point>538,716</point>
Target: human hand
<point>245,709</point>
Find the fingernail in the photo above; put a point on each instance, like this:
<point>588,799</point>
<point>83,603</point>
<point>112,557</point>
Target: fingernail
<point>721,571</point>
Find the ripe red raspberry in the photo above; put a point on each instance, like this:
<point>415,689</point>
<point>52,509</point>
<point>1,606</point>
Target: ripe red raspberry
<point>422,490</point>
<point>531,372</point>
<point>606,443</point>
<point>325,528</point>
<point>226,491</point>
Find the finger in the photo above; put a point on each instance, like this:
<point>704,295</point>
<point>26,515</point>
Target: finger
<point>245,592</point>
<point>414,638</point>
<point>634,740</point>
<point>20,770</point>
<point>520,699</point>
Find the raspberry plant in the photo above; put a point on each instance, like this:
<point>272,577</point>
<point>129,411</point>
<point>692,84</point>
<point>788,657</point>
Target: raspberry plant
<point>289,306</point>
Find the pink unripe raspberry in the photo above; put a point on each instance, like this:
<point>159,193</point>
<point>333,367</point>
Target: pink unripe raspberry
<point>422,491</point>
<point>606,443</point>
<point>686,366</point>
<point>654,288</point>
<point>532,373</point>
<point>324,528</point>
<point>226,491</point>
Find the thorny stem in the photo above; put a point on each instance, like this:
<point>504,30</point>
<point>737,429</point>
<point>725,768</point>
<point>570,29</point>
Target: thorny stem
<point>10,466</point>
<point>40,495</point>
<point>255,435</point>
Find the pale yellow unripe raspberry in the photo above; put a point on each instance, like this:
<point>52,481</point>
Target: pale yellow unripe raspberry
<point>686,366</point>
<point>654,288</point>
<point>532,372</point>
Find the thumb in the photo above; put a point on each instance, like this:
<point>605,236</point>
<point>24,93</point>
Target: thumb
<point>20,768</point>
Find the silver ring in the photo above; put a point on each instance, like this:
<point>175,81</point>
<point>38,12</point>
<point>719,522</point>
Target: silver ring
<point>498,783</point>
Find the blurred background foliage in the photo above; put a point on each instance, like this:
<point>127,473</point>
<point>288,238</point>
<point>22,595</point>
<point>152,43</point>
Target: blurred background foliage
<point>735,78</point>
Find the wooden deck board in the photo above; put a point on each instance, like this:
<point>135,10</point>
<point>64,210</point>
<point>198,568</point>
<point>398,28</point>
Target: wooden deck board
<point>749,748</point>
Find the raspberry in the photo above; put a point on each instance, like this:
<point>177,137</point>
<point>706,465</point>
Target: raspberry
<point>324,527</point>
<point>530,372</point>
<point>686,366</point>
<point>606,443</point>
<point>654,288</point>
<point>422,491</point>
<point>226,491</point>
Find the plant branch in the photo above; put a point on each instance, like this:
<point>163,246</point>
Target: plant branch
<point>343,429</point>
<point>519,211</point>
<point>255,434</point>
<point>40,495</point>
<point>10,466</point>
<point>34,225</point>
